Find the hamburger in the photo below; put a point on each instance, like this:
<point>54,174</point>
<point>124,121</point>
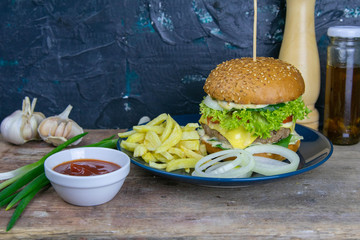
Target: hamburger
<point>252,102</point>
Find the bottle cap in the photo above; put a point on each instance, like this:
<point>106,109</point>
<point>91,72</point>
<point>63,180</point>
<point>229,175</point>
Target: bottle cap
<point>344,31</point>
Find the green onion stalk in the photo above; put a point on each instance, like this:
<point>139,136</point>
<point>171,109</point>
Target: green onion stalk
<point>25,182</point>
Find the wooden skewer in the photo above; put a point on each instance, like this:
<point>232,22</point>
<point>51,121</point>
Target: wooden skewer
<point>254,33</point>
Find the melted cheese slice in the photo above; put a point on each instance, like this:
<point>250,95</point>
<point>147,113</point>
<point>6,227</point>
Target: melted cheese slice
<point>238,137</point>
<point>290,125</point>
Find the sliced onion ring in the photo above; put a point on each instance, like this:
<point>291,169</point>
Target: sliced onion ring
<point>267,166</point>
<point>209,165</point>
<point>212,103</point>
<point>245,163</point>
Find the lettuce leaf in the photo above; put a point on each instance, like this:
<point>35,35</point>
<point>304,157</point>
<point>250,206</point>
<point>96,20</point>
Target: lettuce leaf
<point>284,142</point>
<point>260,121</point>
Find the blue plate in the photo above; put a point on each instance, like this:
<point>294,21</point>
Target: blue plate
<point>315,149</point>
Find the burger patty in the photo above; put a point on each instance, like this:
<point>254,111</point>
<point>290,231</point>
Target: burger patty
<point>275,135</point>
<point>214,133</point>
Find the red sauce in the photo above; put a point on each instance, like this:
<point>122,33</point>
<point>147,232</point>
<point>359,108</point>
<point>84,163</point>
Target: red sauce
<point>86,167</point>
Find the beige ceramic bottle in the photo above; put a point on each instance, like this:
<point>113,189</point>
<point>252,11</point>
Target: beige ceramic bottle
<point>299,48</point>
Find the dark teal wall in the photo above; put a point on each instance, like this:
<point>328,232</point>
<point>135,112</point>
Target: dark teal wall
<point>116,61</point>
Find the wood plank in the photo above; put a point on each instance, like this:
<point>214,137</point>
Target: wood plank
<point>321,204</point>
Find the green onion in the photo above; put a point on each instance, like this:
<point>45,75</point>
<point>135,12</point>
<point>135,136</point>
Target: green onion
<point>7,200</point>
<point>20,208</point>
<point>11,174</point>
<point>38,183</point>
<point>16,174</point>
<point>19,183</point>
<point>106,143</point>
<point>32,176</point>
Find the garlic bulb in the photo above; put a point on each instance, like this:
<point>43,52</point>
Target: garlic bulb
<point>21,126</point>
<point>58,129</point>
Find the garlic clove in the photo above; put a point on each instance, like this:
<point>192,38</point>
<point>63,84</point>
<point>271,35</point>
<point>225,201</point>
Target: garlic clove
<point>38,116</point>
<point>47,128</point>
<point>54,126</point>
<point>28,129</point>
<point>75,130</point>
<point>58,129</point>
<point>27,133</point>
<point>68,129</point>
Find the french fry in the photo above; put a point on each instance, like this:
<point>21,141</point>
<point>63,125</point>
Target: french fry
<point>148,157</point>
<point>158,120</point>
<point>181,163</point>
<point>190,127</point>
<point>126,134</point>
<point>167,155</point>
<point>160,158</point>
<point>140,150</point>
<point>152,141</point>
<point>173,139</point>
<point>145,128</point>
<point>190,135</point>
<point>167,131</point>
<point>177,151</point>
<point>190,144</point>
<point>202,149</point>
<point>158,165</point>
<point>136,137</point>
<point>191,154</point>
<point>164,144</point>
<point>128,146</point>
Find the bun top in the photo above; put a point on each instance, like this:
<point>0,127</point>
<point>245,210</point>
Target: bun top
<point>264,81</point>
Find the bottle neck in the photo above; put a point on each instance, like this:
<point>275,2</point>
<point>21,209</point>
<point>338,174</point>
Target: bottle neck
<point>344,52</point>
<point>300,15</point>
<point>345,42</point>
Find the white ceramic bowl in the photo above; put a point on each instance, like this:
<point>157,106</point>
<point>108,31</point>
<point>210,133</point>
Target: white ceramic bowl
<point>87,190</point>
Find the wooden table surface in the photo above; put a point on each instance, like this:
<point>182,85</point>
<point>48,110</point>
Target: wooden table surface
<point>320,204</point>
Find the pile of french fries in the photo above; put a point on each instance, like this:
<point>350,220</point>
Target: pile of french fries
<point>164,144</point>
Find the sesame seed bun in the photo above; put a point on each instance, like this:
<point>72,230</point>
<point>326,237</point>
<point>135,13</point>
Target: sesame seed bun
<point>264,81</point>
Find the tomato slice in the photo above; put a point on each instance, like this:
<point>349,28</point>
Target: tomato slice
<point>209,119</point>
<point>288,119</point>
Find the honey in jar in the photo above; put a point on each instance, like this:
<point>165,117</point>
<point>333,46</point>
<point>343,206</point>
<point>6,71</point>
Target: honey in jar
<point>342,94</point>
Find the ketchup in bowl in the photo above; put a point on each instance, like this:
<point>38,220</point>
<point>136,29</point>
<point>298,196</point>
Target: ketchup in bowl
<point>86,167</point>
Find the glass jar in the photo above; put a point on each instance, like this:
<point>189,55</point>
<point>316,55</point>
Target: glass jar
<point>342,93</point>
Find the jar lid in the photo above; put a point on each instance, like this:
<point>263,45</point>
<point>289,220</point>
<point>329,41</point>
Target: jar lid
<point>344,31</point>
